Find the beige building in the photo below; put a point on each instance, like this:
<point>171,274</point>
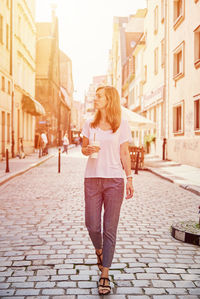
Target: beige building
<point>54,83</point>
<point>161,77</point>
<point>5,78</point>
<point>26,108</point>
<point>17,69</point>
<point>90,95</point>
<point>131,62</point>
<point>153,104</point>
<point>67,90</point>
<point>126,32</point>
<point>134,81</point>
<point>77,116</point>
<point>48,80</point>
<point>118,51</point>
<point>183,82</point>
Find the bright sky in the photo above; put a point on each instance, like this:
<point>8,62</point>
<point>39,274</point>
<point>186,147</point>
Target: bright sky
<point>85,33</point>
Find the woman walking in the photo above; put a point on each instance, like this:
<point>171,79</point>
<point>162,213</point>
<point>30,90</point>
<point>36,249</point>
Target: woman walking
<point>105,141</point>
<point>65,143</point>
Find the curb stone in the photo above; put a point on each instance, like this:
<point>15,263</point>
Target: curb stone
<point>192,188</point>
<point>17,173</point>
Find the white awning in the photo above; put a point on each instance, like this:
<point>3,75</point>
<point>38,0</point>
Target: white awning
<point>137,121</point>
<point>32,106</point>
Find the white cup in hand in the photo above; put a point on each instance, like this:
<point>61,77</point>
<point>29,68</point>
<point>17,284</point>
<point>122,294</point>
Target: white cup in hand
<point>95,143</point>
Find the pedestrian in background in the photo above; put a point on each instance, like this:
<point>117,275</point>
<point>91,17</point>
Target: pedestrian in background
<point>105,140</point>
<point>65,143</point>
<point>44,143</point>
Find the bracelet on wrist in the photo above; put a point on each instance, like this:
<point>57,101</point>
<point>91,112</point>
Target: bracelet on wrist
<point>129,176</point>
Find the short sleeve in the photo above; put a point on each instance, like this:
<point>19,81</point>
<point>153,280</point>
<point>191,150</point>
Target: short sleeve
<point>86,129</point>
<point>125,132</point>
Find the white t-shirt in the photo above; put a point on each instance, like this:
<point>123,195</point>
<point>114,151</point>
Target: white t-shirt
<point>44,138</point>
<point>65,140</point>
<point>108,163</point>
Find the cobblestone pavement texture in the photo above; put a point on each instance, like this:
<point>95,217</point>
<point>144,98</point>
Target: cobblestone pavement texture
<point>18,166</point>
<point>45,251</point>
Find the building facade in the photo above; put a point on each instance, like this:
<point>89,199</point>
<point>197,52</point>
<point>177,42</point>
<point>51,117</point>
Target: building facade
<point>26,108</point>
<point>17,46</point>
<point>5,78</point>
<point>162,81</point>
<point>90,95</point>
<point>132,40</point>
<point>48,80</point>
<point>133,80</point>
<point>154,100</point>
<point>67,90</point>
<point>183,88</point>
<point>118,51</point>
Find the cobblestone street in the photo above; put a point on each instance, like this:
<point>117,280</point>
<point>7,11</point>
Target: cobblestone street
<point>45,251</point>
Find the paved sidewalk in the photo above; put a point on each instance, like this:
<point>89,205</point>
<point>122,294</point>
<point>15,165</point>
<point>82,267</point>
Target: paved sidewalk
<point>46,253</point>
<point>187,177</point>
<point>19,166</point>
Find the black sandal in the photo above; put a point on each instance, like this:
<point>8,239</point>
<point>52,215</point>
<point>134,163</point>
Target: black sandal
<point>99,263</point>
<point>103,287</point>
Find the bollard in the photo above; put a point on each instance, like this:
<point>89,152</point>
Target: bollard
<point>164,148</point>
<point>137,162</point>
<point>40,152</point>
<point>7,161</point>
<point>59,151</point>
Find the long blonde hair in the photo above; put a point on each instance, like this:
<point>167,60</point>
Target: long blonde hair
<point>113,108</point>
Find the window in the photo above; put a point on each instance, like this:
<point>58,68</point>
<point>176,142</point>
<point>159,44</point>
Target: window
<point>7,36</point>
<point>8,127</point>
<point>1,29</point>
<point>179,12</point>
<point>9,91</point>
<point>19,26</point>
<point>145,37</point>
<point>179,61</point>
<point>162,11</point>
<point>156,61</point>
<point>156,20</point>
<point>140,90</point>
<point>154,114</point>
<point>197,115</point>
<point>162,53</point>
<point>131,65</point>
<point>3,83</point>
<point>197,47</point>
<point>178,119</point>
<point>144,74</point>
<point>132,97</point>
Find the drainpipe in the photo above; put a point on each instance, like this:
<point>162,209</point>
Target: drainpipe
<point>165,103</point>
<point>12,79</point>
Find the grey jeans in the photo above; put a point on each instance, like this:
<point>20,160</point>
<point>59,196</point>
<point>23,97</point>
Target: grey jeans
<point>107,192</point>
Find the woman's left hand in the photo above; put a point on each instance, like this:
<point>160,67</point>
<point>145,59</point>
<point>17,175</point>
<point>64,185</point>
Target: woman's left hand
<point>129,189</point>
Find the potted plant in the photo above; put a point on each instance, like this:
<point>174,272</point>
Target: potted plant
<point>147,141</point>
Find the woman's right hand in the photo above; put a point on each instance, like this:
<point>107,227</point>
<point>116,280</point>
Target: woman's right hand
<point>90,149</point>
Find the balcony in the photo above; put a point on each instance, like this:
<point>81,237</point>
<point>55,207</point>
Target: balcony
<point>128,71</point>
